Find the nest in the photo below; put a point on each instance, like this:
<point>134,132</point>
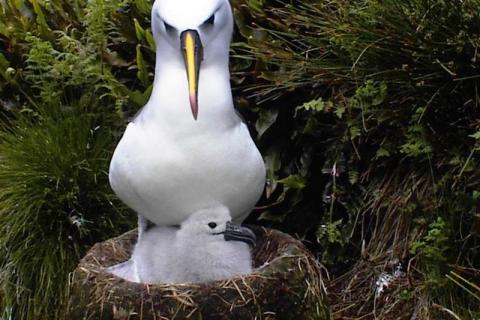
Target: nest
<point>286,284</point>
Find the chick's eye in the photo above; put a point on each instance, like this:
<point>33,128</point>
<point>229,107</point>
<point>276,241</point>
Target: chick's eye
<point>210,20</point>
<point>212,225</point>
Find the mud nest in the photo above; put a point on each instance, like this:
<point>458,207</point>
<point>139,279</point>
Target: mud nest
<point>286,284</point>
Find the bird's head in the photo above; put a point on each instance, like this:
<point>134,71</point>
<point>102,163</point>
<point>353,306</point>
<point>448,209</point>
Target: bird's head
<point>214,224</point>
<point>195,31</point>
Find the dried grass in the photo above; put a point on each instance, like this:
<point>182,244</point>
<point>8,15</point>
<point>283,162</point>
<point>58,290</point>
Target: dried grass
<point>287,284</point>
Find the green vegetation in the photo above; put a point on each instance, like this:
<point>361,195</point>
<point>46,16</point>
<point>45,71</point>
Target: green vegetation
<point>366,112</point>
<point>63,111</point>
<point>374,107</point>
<point>55,203</point>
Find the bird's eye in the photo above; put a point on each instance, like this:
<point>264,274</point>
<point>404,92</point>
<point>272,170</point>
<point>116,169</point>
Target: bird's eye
<point>212,225</point>
<point>168,27</point>
<point>210,20</point>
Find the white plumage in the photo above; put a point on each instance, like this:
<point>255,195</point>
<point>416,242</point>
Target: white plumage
<point>198,251</point>
<point>168,164</point>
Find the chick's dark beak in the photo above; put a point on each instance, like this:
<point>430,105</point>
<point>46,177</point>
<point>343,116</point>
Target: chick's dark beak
<point>235,232</point>
<point>192,51</point>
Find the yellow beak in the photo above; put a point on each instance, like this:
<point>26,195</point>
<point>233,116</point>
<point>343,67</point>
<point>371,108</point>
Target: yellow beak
<point>193,55</point>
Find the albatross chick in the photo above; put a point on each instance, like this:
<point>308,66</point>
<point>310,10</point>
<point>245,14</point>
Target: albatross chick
<point>206,247</point>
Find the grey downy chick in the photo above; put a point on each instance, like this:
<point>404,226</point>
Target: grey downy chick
<point>206,247</point>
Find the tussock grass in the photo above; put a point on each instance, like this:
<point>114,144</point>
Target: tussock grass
<point>368,111</point>
<point>55,202</point>
<point>62,112</point>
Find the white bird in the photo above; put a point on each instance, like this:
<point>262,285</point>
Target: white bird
<point>169,163</point>
<point>206,247</point>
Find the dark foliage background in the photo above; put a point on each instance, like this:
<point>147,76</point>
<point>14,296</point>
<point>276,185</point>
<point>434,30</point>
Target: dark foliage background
<point>366,113</point>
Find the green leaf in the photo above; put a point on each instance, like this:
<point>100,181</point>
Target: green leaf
<point>3,29</point>
<point>140,98</point>
<point>475,136</point>
<point>256,6</point>
<point>19,4</point>
<point>143,6</point>
<point>476,195</point>
<point>273,164</point>
<point>380,95</point>
<point>42,22</point>
<point>139,31</point>
<point>371,93</point>
<point>265,121</point>
<point>382,152</point>
<point>150,40</point>
<point>415,148</point>
<point>142,73</point>
<point>315,105</point>
<point>339,111</point>
<point>331,232</point>
<point>4,64</point>
<point>354,132</point>
<point>294,181</point>
<point>353,176</point>
<point>135,96</point>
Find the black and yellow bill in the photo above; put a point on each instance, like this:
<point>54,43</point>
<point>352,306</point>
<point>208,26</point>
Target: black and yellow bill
<point>193,55</point>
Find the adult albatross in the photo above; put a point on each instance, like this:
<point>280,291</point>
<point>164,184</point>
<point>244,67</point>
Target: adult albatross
<point>188,149</point>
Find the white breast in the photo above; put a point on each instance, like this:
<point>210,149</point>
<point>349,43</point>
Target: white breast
<point>165,178</point>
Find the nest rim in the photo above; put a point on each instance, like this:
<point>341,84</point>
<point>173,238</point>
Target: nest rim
<point>278,258</point>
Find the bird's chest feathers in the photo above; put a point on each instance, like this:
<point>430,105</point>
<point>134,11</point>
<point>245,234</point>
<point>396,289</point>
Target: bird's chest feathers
<point>195,156</point>
<point>218,254</point>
